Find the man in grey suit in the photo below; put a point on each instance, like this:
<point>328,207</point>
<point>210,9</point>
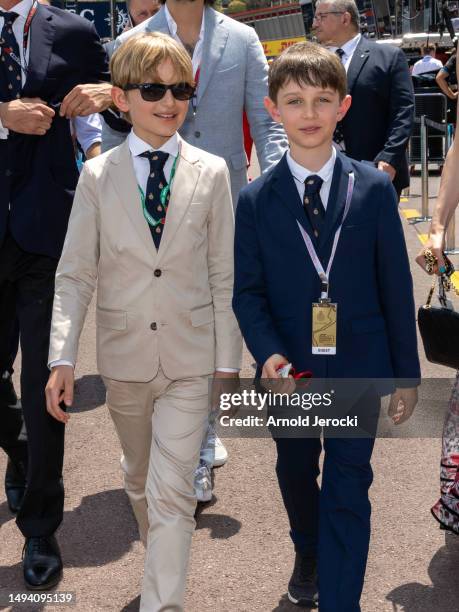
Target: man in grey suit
<point>232,75</point>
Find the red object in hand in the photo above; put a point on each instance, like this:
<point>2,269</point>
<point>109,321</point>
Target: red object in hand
<point>297,375</point>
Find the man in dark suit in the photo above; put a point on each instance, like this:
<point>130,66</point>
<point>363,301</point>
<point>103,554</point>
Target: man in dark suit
<point>287,226</point>
<point>45,54</point>
<point>379,123</point>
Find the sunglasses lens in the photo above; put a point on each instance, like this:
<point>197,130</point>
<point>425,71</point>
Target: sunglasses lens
<point>152,92</point>
<point>182,91</point>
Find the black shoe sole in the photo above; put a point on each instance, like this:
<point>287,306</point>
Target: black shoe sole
<point>46,585</point>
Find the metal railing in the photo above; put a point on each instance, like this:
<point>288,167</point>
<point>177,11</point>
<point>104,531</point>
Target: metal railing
<point>447,130</point>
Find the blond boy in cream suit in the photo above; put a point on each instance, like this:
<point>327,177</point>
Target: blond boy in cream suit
<point>164,285</point>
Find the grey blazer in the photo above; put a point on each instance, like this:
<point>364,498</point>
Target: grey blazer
<point>233,78</point>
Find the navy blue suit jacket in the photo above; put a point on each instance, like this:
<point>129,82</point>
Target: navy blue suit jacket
<point>378,125</point>
<point>39,173</point>
<point>276,283</point>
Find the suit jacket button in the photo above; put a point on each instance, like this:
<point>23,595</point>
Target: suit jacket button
<point>153,326</point>
<point>157,272</point>
<point>8,172</point>
<point>197,134</point>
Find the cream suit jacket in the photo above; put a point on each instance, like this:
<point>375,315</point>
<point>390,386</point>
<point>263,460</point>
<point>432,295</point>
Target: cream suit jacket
<point>170,306</point>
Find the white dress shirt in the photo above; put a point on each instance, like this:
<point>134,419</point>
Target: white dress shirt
<point>22,9</point>
<point>349,48</point>
<point>426,64</point>
<point>87,130</point>
<point>300,174</point>
<point>197,53</point>
<point>137,146</point>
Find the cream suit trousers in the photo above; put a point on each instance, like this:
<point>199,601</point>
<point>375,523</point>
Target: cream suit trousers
<point>161,425</point>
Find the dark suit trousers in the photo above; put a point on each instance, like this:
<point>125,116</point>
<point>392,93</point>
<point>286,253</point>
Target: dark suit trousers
<point>332,523</point>
<point>11,420</point>
<point>32,277</point>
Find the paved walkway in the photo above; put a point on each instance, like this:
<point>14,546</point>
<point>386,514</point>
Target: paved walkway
<point>241,556</point>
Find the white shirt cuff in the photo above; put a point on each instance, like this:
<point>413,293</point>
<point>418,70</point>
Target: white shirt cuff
<point>229,370</point>
<point>59,362</point>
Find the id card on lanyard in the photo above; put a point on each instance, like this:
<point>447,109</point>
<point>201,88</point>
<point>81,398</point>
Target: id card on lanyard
<point>325,312</point>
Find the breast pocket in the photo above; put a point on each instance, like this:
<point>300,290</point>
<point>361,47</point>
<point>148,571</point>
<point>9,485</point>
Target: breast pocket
<point>111,319</point>
<point>227,69</point>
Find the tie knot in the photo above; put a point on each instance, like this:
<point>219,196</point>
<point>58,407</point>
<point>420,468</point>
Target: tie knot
<point>339,52</point>
<point>312,184</point>
<point>9,17</point>
<point>157,159</point>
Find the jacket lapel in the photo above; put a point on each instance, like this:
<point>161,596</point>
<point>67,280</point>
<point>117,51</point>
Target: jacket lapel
<point>284,186</point>
<point>358,61</point>
<point>41,39</point>
<point>123,178</point>
<point>215,37</point>
<point>336,199</point>
<point>183,188</point>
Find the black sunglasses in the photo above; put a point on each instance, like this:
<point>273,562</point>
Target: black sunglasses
<point>152,92</point>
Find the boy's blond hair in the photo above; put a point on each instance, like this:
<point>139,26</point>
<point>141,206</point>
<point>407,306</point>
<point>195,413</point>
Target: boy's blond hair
<point>137,60</point>
<point>307,63</point>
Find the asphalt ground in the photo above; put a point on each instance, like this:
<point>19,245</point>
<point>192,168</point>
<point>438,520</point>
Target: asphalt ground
<point>241,555</point>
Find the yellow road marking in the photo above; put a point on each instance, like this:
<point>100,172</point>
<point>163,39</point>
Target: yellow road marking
<point>410,213</point>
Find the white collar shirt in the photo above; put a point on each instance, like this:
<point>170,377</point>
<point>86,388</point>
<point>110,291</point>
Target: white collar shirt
<point>426,64</point>
<point>22,9</point>
<point>300,174</point>
<point>349,49</point>
<point>137,146</point>
<point>197,53</point>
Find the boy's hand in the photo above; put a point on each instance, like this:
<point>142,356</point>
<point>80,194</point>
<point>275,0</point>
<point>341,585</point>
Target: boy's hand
<point>59,388</point>
<point>387,168</point>
<point>224,382</point>
<point>279,385</point>
<point>402,404</point>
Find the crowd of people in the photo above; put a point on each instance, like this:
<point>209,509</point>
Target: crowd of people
<point>188,260</point>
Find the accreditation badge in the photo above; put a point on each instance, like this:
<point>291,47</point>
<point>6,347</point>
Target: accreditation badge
<point>324,316</point>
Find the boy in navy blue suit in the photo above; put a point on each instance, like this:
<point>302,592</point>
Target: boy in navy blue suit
<point>319,237</point>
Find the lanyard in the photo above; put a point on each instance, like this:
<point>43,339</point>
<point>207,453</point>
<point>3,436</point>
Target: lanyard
<point>162,196</point>
<point>324,276</point>
<point>193,99</point>
<point>25,40</point>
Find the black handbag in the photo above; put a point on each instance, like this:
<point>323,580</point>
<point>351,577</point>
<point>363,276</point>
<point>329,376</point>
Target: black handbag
<point>439,328</point>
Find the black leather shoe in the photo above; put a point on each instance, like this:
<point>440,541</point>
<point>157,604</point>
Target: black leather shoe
<point>8,395</point>
<point>302,588</point>
<point>42,563</point>
<point>15,484</point>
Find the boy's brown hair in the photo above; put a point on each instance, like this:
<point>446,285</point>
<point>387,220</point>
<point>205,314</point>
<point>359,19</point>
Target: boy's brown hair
<point>137,60</point>
<point>307,63</point>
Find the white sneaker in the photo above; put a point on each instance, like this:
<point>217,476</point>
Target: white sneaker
<point>213,452</point>
<point>220,454</point>
<point>203,484</point>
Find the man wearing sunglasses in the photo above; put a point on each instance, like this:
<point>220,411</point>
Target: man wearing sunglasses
<point>378,125</point>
